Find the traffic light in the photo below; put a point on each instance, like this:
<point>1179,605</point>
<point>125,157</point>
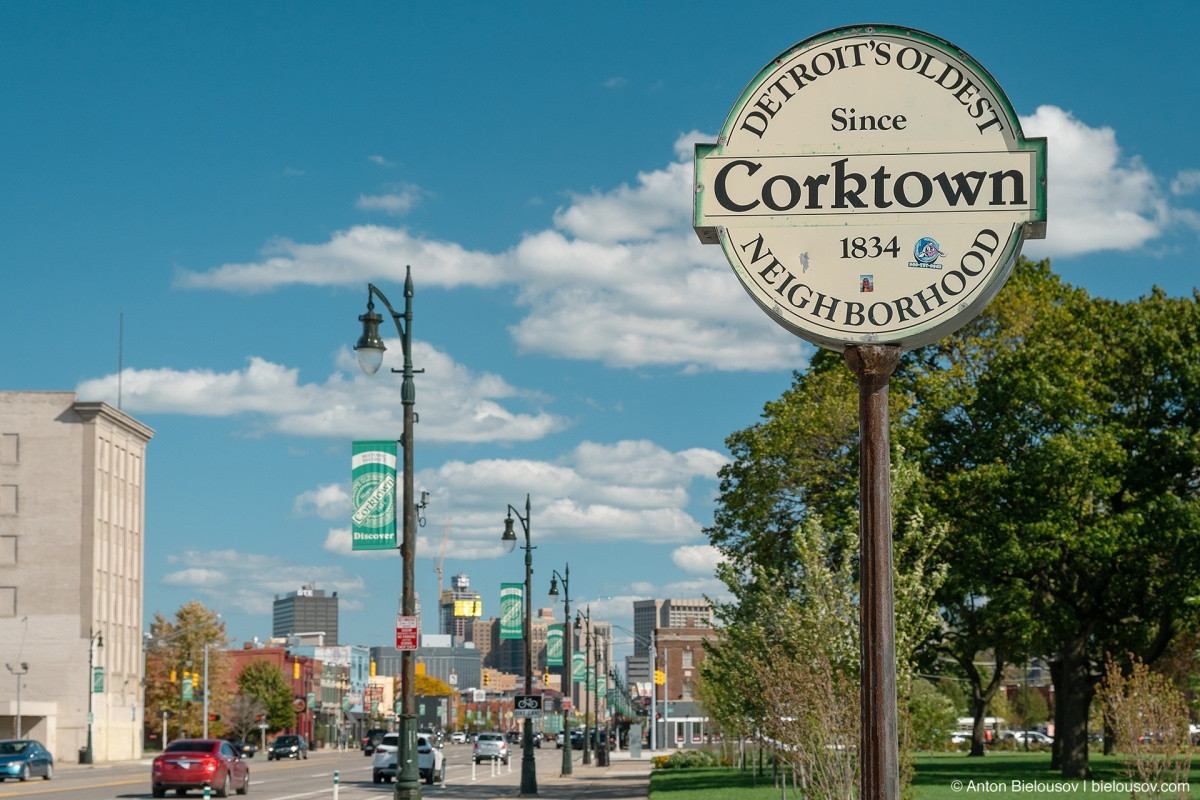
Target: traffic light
<point>174,677</point>
<point>195,680</point>
<point>296,669</point>
<point>660,677</point>
<point>487,679</point>
<point>546,678</point>
<point>372,668</point>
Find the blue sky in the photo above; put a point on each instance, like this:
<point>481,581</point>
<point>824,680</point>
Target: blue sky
<point>229,176</point>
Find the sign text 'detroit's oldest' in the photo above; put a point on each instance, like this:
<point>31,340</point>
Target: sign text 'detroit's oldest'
<point>871,186</point>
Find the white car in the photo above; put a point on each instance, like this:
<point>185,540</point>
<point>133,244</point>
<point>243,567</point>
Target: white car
<point>458,737</point>
<point>431,762</point>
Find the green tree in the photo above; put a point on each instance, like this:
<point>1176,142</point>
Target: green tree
<point>1072,473</point>
<point>932,716</point>
<point>178,646</point>
<point>266,683</point>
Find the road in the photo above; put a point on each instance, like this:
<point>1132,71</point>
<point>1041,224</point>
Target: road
<point>295,780</point>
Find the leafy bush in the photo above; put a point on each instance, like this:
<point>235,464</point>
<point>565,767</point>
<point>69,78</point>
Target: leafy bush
<point>687,759</point>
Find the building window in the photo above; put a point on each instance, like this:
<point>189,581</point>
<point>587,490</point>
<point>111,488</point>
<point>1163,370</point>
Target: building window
<point>8,601</point>
<point>687,659</point>
<point>8,500</point>
<point>10,452</point>
<point>8,550</point>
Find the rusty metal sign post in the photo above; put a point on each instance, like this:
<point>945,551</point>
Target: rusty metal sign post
<point>871,189</point>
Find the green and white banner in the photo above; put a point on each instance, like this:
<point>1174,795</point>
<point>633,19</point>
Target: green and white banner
<point>601,686</point>
<point>554,645</point>
<point>578,666</point>
<point>373,495</point>
<point>511,595</point>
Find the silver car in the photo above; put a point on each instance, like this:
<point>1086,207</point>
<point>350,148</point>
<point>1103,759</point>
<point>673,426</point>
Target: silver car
<point>490,745</point>
<point>431,762</point>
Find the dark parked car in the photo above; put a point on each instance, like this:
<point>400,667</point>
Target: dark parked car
<point>25,758</point>
<point>247,749</point>
<point>289,745</point>
<point>196,763</point>
<point>373,737</point>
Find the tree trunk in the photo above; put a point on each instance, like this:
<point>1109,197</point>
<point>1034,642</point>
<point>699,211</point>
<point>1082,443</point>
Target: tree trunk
<point>1073,692</point>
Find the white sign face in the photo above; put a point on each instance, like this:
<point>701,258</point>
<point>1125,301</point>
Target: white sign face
<point>871,186</point>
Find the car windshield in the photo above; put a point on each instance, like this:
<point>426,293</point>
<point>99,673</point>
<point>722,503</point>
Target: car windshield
<point>490,737</point>
<point>12,748</point>
<point>286,740</point>
<point>190,746</point>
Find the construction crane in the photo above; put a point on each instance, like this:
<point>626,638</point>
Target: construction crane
<point>442,557</point>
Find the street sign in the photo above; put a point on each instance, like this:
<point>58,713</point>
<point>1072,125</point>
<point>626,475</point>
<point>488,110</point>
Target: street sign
<point>871,185</point>
<point>407,633</point>
<point>527,705</point>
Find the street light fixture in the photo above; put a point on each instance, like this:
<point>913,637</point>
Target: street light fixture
<point>21,669</point>
<point>584,621</point>
<point>95,640</point>
<point>369,349</point>
<point>568,648</point>
<point>509,540</point>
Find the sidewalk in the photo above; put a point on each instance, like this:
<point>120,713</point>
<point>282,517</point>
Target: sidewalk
<point>623,779</point>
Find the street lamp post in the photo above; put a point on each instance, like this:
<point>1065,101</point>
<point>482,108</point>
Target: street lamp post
<point>95,640</point>
<point>585,621</point>
<point>568,648</point>
<point>21,669</point>
<point>370,357</point>
<point>528,765</point>
<point>653,651</point>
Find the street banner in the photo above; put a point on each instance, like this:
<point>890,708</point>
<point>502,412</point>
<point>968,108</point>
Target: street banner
<point>511,595</point>
<point>578,666</point>
<point>601,686</point>
<point>554,645</point>
<point>373,495</point>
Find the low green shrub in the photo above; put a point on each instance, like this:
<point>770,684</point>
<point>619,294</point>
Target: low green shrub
<point>687,759</point>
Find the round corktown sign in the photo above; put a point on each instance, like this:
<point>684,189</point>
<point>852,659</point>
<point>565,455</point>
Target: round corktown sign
<point>871,186</point>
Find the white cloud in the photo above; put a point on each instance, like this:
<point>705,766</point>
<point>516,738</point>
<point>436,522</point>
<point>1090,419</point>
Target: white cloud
<point>331,501</point>
<point>1186,182</point>
<point>402,199</point>
<point>596,494</point>
<point>619,277</point>
<point>457,405</point>
<point>247,582</point>
<point>698,559</point>
<point>351,258</point>
<point>1098,198</point>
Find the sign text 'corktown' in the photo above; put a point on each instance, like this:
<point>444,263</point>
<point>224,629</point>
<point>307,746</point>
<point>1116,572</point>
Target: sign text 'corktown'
<point>871,185</point>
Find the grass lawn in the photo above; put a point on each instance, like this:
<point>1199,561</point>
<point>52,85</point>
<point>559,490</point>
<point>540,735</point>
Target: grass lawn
<point>939,776</point>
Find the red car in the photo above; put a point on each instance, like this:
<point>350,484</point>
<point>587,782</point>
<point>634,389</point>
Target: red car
<point>196,763</point>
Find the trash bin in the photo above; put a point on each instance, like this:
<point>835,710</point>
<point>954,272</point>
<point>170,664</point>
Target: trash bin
<point>602,756</point>
<point>85,757</point>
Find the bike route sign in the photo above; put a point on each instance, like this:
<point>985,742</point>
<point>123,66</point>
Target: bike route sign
<point>871,185</point>
<point>527,705</point>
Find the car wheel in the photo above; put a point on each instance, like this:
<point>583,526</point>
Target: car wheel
<point>305,755</point>
<point>49,772</point>
<point>245,784</point>
<point>24,773</point>
<point>158,791</point>
<point>224,790</point>
<point>375,777</point>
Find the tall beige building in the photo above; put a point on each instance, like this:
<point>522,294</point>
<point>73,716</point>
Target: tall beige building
<point>72,513</point>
